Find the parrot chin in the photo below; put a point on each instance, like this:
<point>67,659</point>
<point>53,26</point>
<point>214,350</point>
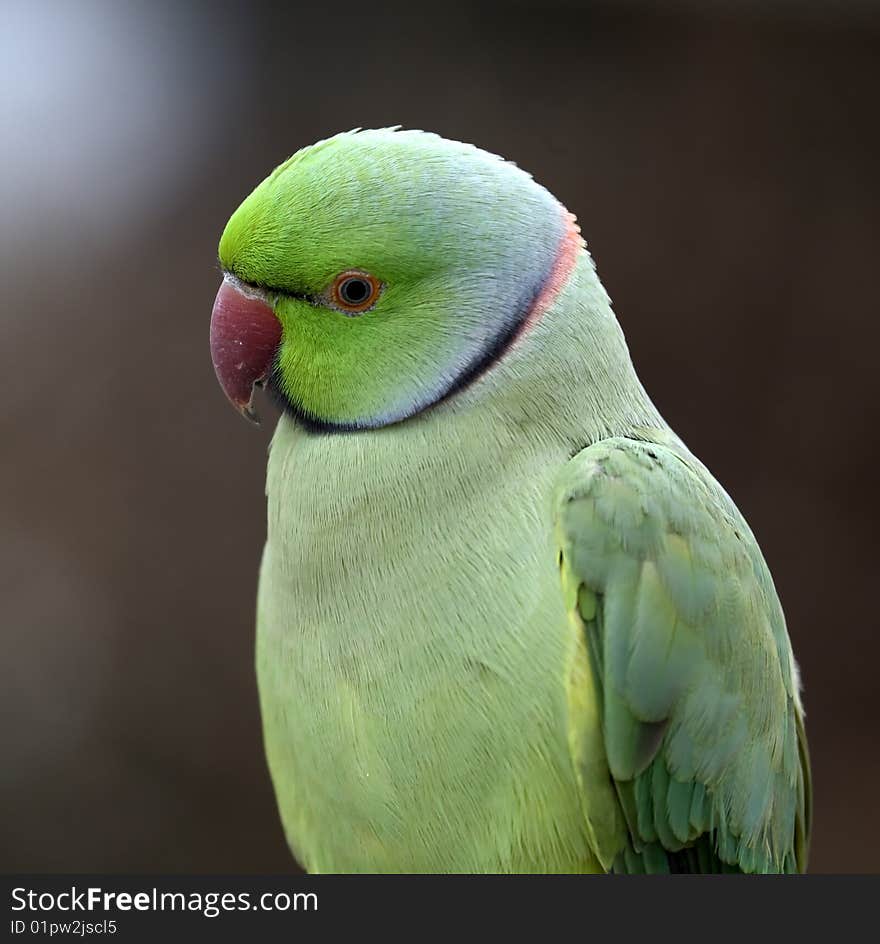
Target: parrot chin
<point>245,335</point>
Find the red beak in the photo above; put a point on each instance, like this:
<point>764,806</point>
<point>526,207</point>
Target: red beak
<point>245,335</point>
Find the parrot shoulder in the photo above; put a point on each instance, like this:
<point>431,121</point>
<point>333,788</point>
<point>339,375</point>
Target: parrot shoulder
<point>685,722</point>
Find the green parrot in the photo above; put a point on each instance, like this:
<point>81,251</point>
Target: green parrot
<point>506,620</point>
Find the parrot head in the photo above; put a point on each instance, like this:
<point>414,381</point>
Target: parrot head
<point>376,273</point>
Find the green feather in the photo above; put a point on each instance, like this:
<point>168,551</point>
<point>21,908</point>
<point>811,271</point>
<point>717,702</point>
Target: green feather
<point>700,709</point>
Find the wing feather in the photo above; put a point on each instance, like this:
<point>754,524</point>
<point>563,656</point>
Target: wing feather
<point>692,679</point>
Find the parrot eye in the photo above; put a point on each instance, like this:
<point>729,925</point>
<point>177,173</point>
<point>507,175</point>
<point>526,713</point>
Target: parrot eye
<point>354,292</point>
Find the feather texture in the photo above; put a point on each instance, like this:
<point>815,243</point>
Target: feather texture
<point>691,664</point>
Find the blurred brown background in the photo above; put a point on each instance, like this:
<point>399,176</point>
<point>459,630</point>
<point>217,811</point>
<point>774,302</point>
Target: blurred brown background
<point>723,161</point>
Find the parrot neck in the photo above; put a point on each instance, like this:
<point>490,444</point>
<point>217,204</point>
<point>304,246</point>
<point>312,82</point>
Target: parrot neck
<point>568,380</point>
<point>566,383</point>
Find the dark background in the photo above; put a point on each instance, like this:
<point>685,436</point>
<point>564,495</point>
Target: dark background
<point>723,161</point>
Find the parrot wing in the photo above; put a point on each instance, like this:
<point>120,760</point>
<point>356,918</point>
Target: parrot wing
<point>685,724</point>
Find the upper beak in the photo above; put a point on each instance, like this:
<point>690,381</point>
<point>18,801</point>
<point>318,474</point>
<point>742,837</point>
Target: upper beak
<point>245,335</point>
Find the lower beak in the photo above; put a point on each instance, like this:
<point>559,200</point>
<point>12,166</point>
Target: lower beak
<point>245,335</point>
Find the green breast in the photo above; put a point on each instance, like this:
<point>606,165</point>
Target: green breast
<point>411,651</point>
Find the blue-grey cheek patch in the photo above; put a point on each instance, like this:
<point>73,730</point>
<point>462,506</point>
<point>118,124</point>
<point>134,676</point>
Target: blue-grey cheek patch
<point>508,297</point>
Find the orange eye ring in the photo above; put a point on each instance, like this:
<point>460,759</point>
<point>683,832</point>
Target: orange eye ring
<point>354,291</point>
